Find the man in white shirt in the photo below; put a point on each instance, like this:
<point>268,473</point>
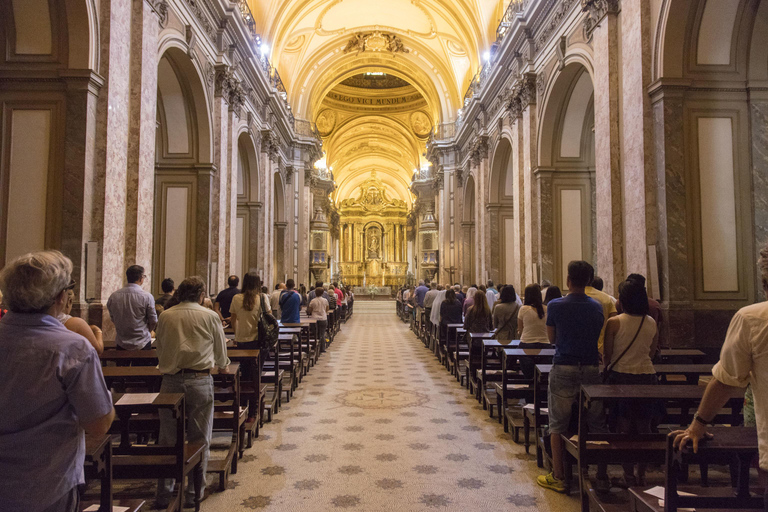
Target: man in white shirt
<point>743,360</point>
<point>190,341</point>
<point>274,300</point>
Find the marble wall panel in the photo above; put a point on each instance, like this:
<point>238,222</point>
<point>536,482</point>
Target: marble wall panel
<point>759,118</point>
<point>518,188</point>
<point>531,222</point>
<point>546,225</point>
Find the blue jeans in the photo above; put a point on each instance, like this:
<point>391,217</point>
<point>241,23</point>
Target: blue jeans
<point>564,385</point>
<point>198,395</point>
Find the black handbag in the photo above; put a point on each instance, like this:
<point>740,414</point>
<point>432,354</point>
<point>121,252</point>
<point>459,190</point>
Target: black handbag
<point>609,369</point>
<point>269,330</point>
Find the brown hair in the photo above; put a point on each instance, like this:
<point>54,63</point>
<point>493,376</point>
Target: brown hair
<point>250,290</point>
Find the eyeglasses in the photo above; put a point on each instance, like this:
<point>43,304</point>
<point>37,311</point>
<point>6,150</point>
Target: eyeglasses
<point>71,285</point>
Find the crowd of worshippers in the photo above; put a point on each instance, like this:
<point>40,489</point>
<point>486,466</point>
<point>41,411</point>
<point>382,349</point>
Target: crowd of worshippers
<point>592,331</point>
<point>53,386</point>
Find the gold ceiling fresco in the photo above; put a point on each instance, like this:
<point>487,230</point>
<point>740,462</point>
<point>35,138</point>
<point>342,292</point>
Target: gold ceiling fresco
<point>376,75</point>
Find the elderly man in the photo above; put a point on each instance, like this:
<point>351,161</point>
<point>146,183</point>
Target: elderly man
<point>52,389</point>
<point>743,360</point>
<point>133,312</point>
<point>190,341</point>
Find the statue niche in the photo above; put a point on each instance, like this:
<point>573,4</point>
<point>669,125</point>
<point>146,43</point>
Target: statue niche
<point>373,244</point>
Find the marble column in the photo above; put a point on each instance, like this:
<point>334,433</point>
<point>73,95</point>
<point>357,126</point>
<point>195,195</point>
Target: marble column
<point>220,209</point>
<point>518,201</point>
<point>254,235</point>
<point>140,196</point>
<point>610,231</point>
<point>530,162</point>
<point>637,168</point>
<point>267,219</point>
<point>496,253</point>
<point>675,276</point>
<point>82,90</point>
<point>111,148</point>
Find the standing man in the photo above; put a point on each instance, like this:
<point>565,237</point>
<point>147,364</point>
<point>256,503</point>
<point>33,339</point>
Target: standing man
<point>491,294</point>
<point>274,300</point>
<point>53,389</point>
<point>290,304</point>
<point>190,341</point>
<point>339,294</point>
<point>168,287</point>
<point>133,312</point>
<point>224,299</point>
<point>743,360</point>
<point>574,323</point>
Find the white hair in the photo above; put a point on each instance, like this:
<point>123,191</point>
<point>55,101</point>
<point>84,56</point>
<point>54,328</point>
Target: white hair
<point>31,283</point>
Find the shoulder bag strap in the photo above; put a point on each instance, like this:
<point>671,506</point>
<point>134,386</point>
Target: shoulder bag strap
<point>507,322</point>
<point>614,363</point>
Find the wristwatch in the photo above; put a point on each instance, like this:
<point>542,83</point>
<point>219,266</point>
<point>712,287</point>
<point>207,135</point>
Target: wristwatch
<point>701,420</point>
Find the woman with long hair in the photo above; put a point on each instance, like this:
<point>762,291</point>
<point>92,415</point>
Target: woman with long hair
<point>469,300</point>
<point>532,327</point>
<point>478,317</point>
<point>630,344</point>
<point>246,311</point>
<point>505,314</point>
<point>553,292</point>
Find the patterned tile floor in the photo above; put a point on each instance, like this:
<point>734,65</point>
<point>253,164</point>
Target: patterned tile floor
<point>379,425</point>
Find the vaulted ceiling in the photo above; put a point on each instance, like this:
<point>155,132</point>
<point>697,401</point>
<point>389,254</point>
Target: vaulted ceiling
<point>434,48</point>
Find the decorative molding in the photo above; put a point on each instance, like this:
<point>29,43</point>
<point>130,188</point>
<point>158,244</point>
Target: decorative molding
<point>557,17</point>
<point>478,150</point>
<point>230,88</point>
<point>376,42</point>
<point>528,90</point>
<point>288,173</point>
<point>541,83</point>
<point>208,28</point>
<point>459,172</point>
<point>597,10</point>
<point>160,8</point>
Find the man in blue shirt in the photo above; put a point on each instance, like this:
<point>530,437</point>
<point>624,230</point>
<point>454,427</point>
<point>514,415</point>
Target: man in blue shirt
<point>421,291</point>
<point>53,389</point>
<point>132,310</point>
<point>290,304</point>
<point>574,323</point>
<point>224,299</point>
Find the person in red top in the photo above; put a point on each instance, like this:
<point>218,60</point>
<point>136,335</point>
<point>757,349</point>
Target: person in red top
<point>339,294</point>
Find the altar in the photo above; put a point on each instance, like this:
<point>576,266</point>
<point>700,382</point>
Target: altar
<point>372,293</point>
<point>373,246</point>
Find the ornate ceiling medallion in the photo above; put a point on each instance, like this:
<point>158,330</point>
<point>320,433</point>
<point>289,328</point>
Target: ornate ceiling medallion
<point>375,42</point>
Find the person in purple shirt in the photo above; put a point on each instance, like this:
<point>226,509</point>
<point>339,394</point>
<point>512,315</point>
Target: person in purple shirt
<point>290,304</point>
<point>53,389</point>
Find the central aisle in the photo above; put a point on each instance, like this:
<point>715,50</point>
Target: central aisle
<point>379,425</point>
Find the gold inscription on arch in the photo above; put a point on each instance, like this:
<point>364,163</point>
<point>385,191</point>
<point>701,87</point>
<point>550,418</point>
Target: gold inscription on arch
<point>357,100</point>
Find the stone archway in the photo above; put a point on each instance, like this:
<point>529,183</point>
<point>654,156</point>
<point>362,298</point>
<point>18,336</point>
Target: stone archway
<point>504,268</point>
<point>567,174</point>
<point>280,231</point>
<point>249,209</point>
<point>183,173</point>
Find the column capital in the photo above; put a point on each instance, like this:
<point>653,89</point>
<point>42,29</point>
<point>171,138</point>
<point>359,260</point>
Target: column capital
<point>597,10</point>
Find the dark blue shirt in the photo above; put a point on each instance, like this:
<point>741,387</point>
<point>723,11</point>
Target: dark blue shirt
<point>578,320</point>
<point>421,291</point>
<point>224,298</point>
<point>290,305</point>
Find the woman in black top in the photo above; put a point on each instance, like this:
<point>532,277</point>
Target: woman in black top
<point>450,310</point>
<point>479,317</point>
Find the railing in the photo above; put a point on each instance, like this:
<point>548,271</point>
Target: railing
<point>514,8</point>
<point>245,11</point>
<point>444,131</point>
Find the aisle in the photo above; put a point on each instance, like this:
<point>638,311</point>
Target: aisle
<point>380,425</point>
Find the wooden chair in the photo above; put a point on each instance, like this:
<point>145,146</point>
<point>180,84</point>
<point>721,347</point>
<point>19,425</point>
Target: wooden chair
<point>98,466</point>
<point>132,460</point>
<point>728,443</point>
<point>228,416</point>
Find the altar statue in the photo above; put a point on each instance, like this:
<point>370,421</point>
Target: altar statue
<point>373,247</point>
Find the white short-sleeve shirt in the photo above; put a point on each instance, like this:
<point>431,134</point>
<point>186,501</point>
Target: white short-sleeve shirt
<point>744,360</point>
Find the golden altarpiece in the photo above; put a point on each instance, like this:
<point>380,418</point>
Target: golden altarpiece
<point>373,250</point>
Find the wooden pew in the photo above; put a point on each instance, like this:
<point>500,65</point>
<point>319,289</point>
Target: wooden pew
<point>681,355</point>
<point>132,460</point>
<point>592,448</point>
<point>448,348</point>
<point>518,387</point>
<point>539,417</point>
<point>729,443</point>
<point>491,370</point>
<point>98,466</point>
<point>252,392</point>
<point>474,361</point>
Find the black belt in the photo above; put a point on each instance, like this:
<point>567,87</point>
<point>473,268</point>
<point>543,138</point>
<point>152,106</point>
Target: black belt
<point>189,370</point>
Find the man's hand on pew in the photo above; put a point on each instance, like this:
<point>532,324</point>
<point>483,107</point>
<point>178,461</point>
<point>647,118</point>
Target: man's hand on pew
<point>695,433</point>
<point>224,370</point>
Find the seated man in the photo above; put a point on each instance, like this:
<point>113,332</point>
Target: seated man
<point>290,304</point>
<point>190,341</point>
<point>574,324</point>
<point>52,390</point>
